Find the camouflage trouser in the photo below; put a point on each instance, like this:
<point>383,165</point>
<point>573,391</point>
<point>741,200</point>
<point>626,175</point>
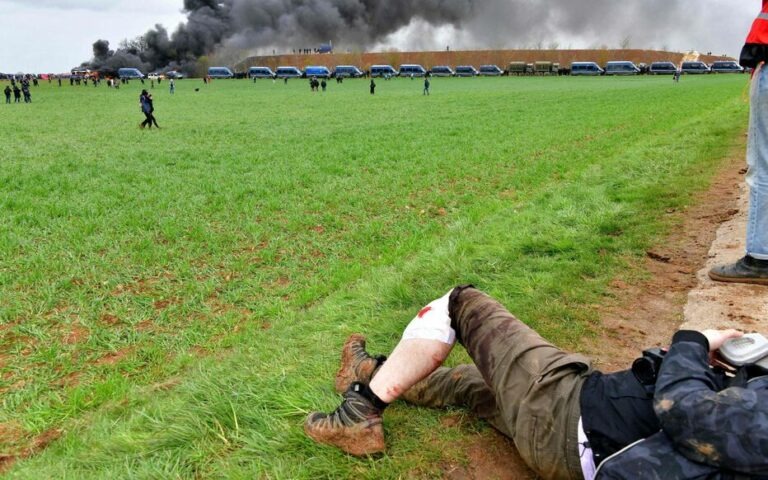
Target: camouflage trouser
<point>522,385</point>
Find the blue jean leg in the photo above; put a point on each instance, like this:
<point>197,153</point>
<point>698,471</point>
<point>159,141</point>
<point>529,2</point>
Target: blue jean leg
<point>757,162</point>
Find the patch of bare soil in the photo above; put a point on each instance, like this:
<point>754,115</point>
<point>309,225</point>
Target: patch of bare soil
<point>641,315</point>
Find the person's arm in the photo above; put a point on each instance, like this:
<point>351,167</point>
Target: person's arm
<point>727,428</point>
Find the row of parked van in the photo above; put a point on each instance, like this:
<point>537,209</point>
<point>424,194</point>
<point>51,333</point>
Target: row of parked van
<point>655,68</point>
<point>406,70</point>
<point>515,68</point>
<point>415,70</point>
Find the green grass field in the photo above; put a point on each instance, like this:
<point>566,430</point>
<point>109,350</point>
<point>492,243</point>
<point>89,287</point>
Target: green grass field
<point>172,302</point>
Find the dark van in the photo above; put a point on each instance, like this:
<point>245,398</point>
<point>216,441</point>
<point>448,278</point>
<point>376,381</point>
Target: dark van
<point>220,72</point>
<point>491,71</point>
<point>260,72</point>
<point>441,71</point>
<point>317,72</point>
<point>586,68</point>
<point>694,67</point>
<point>342,71</point>
<point>288,72</point>
<point>466,71</point>
<point>662,68</point>
<point>383,71</point>
<point>412,70</point>
<point>129,73</point>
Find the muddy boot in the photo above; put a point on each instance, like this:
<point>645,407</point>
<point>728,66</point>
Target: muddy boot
<point>745,270</point>
<point>355,427</point>
<point>356,364</point>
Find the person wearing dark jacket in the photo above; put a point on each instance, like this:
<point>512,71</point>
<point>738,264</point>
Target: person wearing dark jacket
<point>7,92</point>
<point>567,420</point>
<point>16,94</point>
<point>147,108</point>
<point>753,267</point>
<point>373,87</point>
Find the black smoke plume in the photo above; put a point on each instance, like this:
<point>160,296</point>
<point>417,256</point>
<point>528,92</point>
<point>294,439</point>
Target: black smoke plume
<point>262,25</point>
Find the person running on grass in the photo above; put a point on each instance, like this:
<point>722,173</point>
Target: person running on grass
<point>147,108</point>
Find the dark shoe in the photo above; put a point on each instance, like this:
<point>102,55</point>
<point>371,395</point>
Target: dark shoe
<point>355,427</point>
<point>356,364</point>
<point>746,270</point>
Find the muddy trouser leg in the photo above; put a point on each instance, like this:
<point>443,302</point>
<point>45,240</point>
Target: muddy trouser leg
<point>461,386</point>
<point>536,385</point>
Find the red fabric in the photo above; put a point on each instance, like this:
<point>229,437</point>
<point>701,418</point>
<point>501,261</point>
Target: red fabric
<point>759,32</point>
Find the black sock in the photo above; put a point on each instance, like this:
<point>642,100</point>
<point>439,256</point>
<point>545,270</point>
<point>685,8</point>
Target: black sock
<point>366,392</point>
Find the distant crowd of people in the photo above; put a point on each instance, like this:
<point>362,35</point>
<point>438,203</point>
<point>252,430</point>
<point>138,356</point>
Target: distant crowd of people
<point>18,91</point>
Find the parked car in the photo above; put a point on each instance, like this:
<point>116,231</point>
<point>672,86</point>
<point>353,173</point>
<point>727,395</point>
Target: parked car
<point>662,68</point>
<point>175,74</point>
<point>347,71</point>
<point>621,68</point>
<point>726,66</point>
<point>441,71</point>
<point>490,71</point>
<point>466,71</point>
<point>586,68</point>
<point>694,67</point>
<point>288,72</point>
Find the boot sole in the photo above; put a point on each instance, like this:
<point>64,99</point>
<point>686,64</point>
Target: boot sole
<point>359,442</point>
<point>750,280</point>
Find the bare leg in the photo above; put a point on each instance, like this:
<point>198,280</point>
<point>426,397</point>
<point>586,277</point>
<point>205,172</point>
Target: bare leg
<point>411,361</point>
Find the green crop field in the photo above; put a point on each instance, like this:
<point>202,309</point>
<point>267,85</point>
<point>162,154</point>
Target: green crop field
<point>173,301</point>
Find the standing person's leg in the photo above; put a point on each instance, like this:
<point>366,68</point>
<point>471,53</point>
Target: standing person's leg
<point>753,267</point>
<point>154,120</point>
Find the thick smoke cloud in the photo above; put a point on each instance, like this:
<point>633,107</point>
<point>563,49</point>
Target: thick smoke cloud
<point>261,25</point>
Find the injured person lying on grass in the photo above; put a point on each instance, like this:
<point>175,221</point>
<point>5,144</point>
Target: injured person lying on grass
<point>687,419</point>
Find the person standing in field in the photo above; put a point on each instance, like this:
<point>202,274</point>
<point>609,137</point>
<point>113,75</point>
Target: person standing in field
<point>426,85</point>
<point>373,87</point>
<point>172,86</point>
<point>753,266</point>
<point>147,108</point>
<point>7,92</point>
<point>27,93</point>
<point>16,94</point>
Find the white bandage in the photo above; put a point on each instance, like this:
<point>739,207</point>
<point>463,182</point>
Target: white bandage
<point>432,323</point>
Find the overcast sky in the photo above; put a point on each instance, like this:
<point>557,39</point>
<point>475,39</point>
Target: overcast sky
<point>56,35</point>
